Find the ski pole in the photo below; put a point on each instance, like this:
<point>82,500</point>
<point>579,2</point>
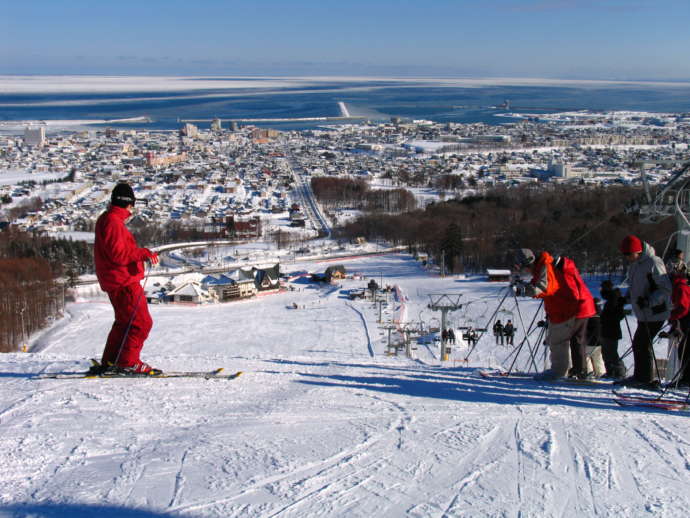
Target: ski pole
<point>526,338</point>
<point>650,341</point>
<point>531,329</point>
<point>134,312</point>
<point>498,307</point>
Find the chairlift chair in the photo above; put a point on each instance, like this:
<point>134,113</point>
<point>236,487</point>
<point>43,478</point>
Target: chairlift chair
<point>504,315</point>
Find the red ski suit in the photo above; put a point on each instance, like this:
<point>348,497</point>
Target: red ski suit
<point>119,270</point>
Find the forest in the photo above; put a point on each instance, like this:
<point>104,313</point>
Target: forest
<point>30,266</point>
<point>474,233</point>
<point>338,193</point>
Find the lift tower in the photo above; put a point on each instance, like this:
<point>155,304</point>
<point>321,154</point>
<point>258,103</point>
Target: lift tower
<point>444,303</point>
<point>672,200</point>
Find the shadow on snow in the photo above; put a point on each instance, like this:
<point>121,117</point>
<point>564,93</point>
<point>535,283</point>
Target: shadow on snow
<point>58,510</point>
<point>458,384</point>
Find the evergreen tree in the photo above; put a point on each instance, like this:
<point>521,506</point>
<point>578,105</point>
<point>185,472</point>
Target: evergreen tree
<point>451,248</point>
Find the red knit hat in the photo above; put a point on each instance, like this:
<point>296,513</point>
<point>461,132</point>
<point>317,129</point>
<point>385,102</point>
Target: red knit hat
<point>631,245</point>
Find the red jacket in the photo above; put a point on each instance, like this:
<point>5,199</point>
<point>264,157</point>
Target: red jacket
<point>117,257</point>
<point>564,292</point>
<point>586,306</point>
<point>680,298</point>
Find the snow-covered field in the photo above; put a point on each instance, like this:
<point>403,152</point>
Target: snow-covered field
<point>14,176</point>
<point>323,422</point>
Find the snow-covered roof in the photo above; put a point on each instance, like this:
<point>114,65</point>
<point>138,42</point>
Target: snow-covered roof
<point>496,272</point>
<point>191,289</point>
<point>240,275</point>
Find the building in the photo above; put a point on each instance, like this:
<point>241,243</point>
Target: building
<point>189,130</point>
<point>267,278</point>
<point>495,275</point>
<point>559,169</point>
<point>153,160</point>
<point>35,137</point>
<point>189,293</point>
<point>235,284</point>
<point>260,135</point>
<point>244,227</point>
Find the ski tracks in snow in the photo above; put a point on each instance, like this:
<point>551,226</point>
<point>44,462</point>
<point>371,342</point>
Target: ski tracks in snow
<point>323,487</point>
<point>364,453</point>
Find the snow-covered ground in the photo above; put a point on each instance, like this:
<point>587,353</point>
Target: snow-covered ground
<point>323,422</point>
<point>14,176</point>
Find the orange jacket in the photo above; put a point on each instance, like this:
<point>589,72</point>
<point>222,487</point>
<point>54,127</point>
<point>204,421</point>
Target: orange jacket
<point>562,289</point>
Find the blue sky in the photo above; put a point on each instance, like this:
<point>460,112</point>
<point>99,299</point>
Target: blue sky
<point>598,39</point>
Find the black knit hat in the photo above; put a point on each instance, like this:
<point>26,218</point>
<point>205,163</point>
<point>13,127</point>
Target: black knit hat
<point>123,195</point>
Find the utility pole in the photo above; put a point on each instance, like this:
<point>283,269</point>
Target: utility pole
<point>445,303</point>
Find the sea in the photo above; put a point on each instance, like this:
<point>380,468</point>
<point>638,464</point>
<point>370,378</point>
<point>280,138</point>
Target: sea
<point>374,99</point>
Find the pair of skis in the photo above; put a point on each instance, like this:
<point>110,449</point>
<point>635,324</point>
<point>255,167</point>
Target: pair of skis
<point>214,374</point>
<point>620,398</point>
<point>530,376</point>
<point>644,401</point>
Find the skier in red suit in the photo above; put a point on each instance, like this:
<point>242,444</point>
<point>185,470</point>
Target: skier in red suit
<point>119,269</point>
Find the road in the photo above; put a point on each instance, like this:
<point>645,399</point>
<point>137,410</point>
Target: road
<point>310,206</point>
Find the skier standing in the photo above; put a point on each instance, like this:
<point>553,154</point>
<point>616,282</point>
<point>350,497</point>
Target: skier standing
<point>567,303</point>
<point>594,350</point>
<point>680,325</point>
<point>119,270</point>
<point>649,293</point>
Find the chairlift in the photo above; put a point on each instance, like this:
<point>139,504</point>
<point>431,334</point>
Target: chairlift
<point>467,322</point>
<point>504,315</point>
<point>480,309</point>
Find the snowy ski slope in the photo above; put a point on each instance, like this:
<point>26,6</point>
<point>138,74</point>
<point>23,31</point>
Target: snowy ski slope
<point>323,423</point>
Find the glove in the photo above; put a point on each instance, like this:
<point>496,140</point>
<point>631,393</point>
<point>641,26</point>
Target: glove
<point>152,257</point>
<point>529,290</point>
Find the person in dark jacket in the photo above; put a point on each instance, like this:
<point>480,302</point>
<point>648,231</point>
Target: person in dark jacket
<point>119,269</point>
<point>676,264</point>
<point>650,296</point>
<point>611,315</point>
<point>472,337</point>
<point>594,352</point>
<point>509,332</point>
<point>498,332</point>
